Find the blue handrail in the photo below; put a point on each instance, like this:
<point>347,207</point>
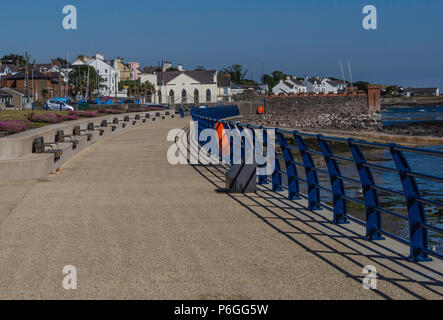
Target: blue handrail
<point>290,153</point>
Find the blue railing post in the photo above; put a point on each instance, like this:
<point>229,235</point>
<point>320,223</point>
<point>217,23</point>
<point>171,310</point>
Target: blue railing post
<point>277,182</point>
<point>242,143</point>
<point>291,170</point>
<point>262,178</point>
<point>372,202</point>
<point>231,135</point>
<point>416,213</point>
<point>337,185</point>
<point>311,174</point>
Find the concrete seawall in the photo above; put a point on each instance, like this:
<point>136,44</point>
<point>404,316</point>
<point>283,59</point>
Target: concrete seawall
<point>18,162</point>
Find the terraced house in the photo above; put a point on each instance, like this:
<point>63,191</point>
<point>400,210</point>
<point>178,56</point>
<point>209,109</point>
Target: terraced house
<point>323,85</point>
<point>123,69</point>
<point>106,69</point>
<point>42,86</point>
<point>290,85</point>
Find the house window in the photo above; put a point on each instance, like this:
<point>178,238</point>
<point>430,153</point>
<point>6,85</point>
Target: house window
<point>208,95</point>
<point>225,91</point>
<point>184,95</point>
<point>159,93</point>
<point>171,96</point>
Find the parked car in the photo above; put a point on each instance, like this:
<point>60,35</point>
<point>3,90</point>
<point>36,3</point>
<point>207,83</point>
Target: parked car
<point>56,105</point>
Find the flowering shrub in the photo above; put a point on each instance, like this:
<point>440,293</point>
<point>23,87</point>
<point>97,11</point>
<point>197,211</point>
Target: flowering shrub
<point>110,111</point>
<point>47,118</point>
<point>15,126</point>
<point>83,114</point>
<point>70,117</point>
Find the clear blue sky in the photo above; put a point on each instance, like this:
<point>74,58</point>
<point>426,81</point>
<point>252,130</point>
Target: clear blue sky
<point>296,36</point>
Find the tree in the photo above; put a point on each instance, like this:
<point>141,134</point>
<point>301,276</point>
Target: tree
<point>12,58</point>
<point>237,74</point>
<point>362,85</point>
<point>172,69</point>
<point>390,91</point>
<point>45,93</point>
<point>60,60</point>
<point>273,80</point>
<point>149,87</point>
<point>146,89</point>
<point>78,80</point>
<point>199,68</point>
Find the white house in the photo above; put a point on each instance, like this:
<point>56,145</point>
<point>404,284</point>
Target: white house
<point>290,85</point>
<point>323,85</point>
<point>422,92</point>
<point>108,70</point>
<point>187,86</point>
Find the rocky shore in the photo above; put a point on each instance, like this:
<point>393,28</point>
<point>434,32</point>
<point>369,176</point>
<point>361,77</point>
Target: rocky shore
<point>346,122</point>
<point>425,128</point>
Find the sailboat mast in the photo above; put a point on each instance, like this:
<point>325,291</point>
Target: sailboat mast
<point>343,74</point>
<point>350,74</point>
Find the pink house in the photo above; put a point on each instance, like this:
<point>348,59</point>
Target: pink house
<point>135,70</point>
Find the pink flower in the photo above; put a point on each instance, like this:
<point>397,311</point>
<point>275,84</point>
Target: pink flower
<point>15,126</point>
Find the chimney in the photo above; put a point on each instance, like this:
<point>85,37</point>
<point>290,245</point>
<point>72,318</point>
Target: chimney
<point>166,65</point>
<point>288,78</point>
<point>180,67</point>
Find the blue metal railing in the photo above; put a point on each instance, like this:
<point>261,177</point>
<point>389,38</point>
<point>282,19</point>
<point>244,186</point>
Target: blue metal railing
<point>287,177</point>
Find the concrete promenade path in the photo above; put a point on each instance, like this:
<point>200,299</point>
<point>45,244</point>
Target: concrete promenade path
<point>136,227</point>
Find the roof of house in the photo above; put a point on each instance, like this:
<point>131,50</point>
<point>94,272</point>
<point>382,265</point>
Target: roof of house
<point>22,75</point>
<point>224,80</point>
<point>289,84</point>
<point>246,86</point>
<point>313,80</point>
<point>150,69</point>
<point>335,83</point>
<point>421,89</point>
<point>12,67</point>
<point>202,76</point>
<point>14,90</point>
<point>4,92</point>
<point>41,65</point>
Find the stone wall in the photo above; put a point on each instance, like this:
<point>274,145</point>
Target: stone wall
<point>335,112</point>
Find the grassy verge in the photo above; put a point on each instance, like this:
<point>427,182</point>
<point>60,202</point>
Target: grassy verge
<point>21,114</point>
